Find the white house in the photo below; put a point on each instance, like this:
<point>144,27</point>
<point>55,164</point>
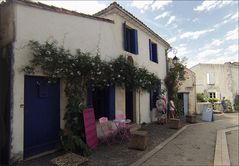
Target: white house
<point>28,100</point>
<point>217,80</point>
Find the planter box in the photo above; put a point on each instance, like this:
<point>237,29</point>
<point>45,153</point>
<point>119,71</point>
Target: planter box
<point>175,123</point>
<point>139,140</point>
<point>191,118</point>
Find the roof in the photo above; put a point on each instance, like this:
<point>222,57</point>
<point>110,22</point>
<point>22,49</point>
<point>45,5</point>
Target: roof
<point>56,9</point>
<point>120,8</point>
<point>208,64</point>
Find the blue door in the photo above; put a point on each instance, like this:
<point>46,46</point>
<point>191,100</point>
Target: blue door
<point>185,103</point>
<point>129,103</point>
<point>41,115</point>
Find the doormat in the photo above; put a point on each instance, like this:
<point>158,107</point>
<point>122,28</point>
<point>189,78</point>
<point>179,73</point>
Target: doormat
<point>69,159</point>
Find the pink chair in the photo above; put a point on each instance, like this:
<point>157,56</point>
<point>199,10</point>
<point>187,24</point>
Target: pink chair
<point>123,126</point>
<point>108,132</point>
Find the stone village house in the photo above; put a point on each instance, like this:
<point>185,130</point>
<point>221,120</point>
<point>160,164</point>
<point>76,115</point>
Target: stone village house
<point>111,32</point>
<point>217,80</point>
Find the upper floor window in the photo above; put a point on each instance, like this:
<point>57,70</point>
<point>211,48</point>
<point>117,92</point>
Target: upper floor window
<point>153,51</point>
<point>130,39</point>
<point>211,78</point>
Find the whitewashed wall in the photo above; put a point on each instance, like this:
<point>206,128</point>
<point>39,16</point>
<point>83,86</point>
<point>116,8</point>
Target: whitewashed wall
<point>74,32</point>
<point>226,79</point>
<point>41,25</point>
<point>142,59</point>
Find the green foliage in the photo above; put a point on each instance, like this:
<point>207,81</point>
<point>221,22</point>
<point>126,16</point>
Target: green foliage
<point>201,97</point>
<point>78,72</point>
<point>228,106</point>
<point>213,100</point>
<point>179,107</point>
<point>174,76</point>
<point>236,103</point>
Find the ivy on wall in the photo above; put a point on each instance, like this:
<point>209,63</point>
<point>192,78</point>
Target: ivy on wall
<point>79,71</point>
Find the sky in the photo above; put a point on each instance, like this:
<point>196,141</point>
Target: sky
<point>200,31</point>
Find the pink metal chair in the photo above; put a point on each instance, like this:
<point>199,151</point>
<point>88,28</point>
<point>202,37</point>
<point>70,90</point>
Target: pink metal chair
<point>108,132</point>
<point>123,126</point>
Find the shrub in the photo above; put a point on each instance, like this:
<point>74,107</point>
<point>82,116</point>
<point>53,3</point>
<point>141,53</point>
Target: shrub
<point>236,103</point>
<point>201,97</point>
<point>229,106</point>
<point>213,100</point>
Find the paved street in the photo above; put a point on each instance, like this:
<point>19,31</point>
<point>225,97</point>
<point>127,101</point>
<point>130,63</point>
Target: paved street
<point>195,145</point>
<point>232,141</point>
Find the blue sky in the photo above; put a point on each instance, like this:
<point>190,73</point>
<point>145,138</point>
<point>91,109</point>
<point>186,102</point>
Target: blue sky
<point>201,31</point>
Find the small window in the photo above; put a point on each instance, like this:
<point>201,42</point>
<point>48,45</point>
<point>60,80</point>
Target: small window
<point>210,78</point>
<point>130,39</point>
<point>153,51</point>
<point>212,95</point>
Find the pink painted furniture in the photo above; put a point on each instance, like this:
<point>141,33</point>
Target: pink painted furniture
<point>123,126</point>
<point>90,128</point>
<point>109,133</point>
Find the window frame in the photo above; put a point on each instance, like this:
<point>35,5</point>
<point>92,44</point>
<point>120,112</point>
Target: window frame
<point>153,51</point>
<point>130,39</point>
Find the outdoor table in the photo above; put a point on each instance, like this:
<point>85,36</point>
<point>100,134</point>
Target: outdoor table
<point>123,128</point>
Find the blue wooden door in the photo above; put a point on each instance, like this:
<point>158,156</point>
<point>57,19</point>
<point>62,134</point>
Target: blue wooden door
<point>185,103</point>
<point>41,115</point>
<point>129,103</point>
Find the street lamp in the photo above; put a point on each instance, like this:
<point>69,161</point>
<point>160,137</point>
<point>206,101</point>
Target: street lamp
<point>175,59</point>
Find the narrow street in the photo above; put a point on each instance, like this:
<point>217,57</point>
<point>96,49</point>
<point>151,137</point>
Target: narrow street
<point>196,144</point>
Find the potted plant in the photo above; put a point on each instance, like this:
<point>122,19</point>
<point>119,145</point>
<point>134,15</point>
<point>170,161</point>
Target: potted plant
<point>176,123</point>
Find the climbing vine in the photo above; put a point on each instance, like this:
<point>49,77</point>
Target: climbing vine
<point>79,71</point>
<point>172,82</point>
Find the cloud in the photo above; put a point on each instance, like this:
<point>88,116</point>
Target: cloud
<point>160,4</point>
<point>87,7</point>
<point>213,44</point>
<point>153,5</point>
<point>172,40</point>
<point>142,5</point>
<point>171,19</point>
<point>195,35</point>
<point>209,5</point>
<point>164,14</point>
<point>228,18</point>
<point>232,35</point>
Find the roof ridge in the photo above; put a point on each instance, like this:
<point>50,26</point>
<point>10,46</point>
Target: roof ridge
<point>115,4</point>
<point>59,10</point>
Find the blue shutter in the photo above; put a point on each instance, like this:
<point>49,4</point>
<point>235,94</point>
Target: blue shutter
<point>125,41</point>
<point>136,51</point>
<point>112,102</point>
<point>150,50</point>
<point>156,53</point>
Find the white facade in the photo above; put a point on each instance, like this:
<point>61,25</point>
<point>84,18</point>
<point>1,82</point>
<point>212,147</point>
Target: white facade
<point>217,80</point>
<point>76,32</point>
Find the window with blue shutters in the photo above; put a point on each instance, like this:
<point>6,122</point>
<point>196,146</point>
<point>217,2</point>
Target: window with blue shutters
<point>130,36</point>
<point>153,51</point>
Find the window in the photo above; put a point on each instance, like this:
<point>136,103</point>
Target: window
<point>130,39</point>
<point>153,51</point>
<point>212,95</point>
<point>210,78</point>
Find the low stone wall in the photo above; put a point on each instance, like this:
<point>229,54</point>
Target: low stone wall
<point>201,106</point>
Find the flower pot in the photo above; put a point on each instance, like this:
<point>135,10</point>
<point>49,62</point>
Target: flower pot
<point>191,118</point>
<point>175,123</point>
